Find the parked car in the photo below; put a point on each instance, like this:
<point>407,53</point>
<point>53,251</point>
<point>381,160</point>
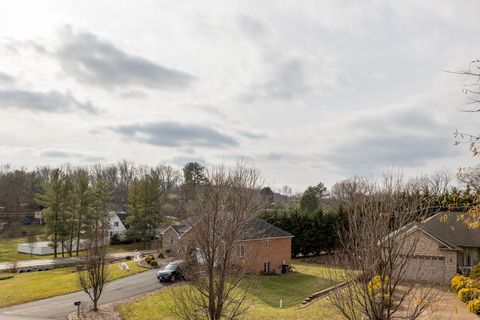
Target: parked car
<point>171,272</point>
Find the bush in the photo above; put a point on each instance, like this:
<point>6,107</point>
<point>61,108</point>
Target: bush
<point>268,273</point>
<point>458,282</point>
<point>154,263</point>
<point>375,289</point>
<point>474,306</point>
<point>467,294</point>
<point>475,273</point>
<point>128,258</point>
<point>149,259</point>
<point>161,255</point>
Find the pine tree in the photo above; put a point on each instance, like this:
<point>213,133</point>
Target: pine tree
<point>144,208</point>
<point>83,192</point>
<point>52,201</point>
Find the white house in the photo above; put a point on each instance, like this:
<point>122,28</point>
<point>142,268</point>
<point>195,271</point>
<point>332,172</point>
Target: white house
<point>118,225</point>
<point>39,216</point>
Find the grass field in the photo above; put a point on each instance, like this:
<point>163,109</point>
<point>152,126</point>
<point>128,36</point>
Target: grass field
<point>266,293</point>
<point>8,250</point>
<point>25,287</point>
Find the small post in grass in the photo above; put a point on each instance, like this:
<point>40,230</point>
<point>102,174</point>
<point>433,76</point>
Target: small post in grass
<point>78,303</point>
<point>281,303</point>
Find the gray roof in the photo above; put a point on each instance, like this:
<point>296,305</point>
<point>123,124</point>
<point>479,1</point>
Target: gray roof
<point>123,217</point>
<point>261,229</point>
<point>449,228</point>
<point>253,229</point>
<point>181,228</point>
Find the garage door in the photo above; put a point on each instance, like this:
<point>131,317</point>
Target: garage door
<point>426,268</point>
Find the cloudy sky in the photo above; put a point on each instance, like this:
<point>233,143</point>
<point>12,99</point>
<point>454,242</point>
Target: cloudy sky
<point>308,90</point>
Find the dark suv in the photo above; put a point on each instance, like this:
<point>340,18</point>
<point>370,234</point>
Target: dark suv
<point>171,272</point>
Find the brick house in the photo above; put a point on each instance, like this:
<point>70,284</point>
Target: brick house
<point>263,247</point>
<point>445,246</point>
<point>172,241</point>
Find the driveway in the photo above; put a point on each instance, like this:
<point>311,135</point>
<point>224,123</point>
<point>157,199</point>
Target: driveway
<point>59,307</point>
<point>448,307</point>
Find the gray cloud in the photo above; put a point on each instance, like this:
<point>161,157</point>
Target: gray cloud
<point>71,155</point>
<point>173,134</point>
<point>401,150</point>
<point>287,81</point>
<point>402,137</point>
<point>57,154</point>
<point>251,26</point>
<point>51,101</point>
<point>6,78</point>
<point>251,135</point>
<point>96,62</point>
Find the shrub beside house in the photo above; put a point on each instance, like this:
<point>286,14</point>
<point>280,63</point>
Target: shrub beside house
<point>468,289</point>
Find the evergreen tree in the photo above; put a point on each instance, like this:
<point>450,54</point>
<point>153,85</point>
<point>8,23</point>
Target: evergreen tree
<point>144,208</point>
<point>83,192</point>
<point>52,201</point>
<point>97,218</point>
<point>312,198</point>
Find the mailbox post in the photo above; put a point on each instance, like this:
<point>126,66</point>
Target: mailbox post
<point>78,303</point>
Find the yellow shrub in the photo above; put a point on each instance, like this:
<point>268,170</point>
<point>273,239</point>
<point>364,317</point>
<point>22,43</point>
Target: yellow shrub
<point>458,282</point>
<point>467,294</point>
<point>375,288</point>
<point>474,306</point>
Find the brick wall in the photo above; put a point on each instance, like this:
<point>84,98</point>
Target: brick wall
<point>166,242</point>
<point>276,251</point>
<point>426,246</point>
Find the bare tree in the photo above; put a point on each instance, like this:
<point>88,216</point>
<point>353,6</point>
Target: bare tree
<point>221,208</point>
<point>350,190</point>
<point>434,184</point>
<point>127,173</point>
<point>31,239</point>
<point>168,176</point>
<point>92,268</point>
<point>471,175</point>
<point>377,253</point>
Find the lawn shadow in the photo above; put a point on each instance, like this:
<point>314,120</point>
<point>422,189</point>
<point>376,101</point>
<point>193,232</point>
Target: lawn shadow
<point>292,288</point>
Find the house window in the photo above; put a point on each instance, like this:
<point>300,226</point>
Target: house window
<point>266,266</point>
<point>266,243</point>
<point>171,240</point>
<point>115,224</point>
<point>241,250</point>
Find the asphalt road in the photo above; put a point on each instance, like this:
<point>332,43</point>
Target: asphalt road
<point>59,307</point>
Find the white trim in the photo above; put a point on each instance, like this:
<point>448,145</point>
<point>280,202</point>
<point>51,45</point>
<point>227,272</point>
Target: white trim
<point>181,235</point>
<point>163,232</point>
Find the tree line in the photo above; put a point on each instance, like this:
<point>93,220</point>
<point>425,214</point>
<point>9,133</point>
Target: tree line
<point>75,198</point>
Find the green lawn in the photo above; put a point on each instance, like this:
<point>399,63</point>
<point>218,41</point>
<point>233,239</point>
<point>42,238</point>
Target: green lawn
<point>130,247</point>
<point>26,287</point>
<point>266,293</point>
<point>8,249</point>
